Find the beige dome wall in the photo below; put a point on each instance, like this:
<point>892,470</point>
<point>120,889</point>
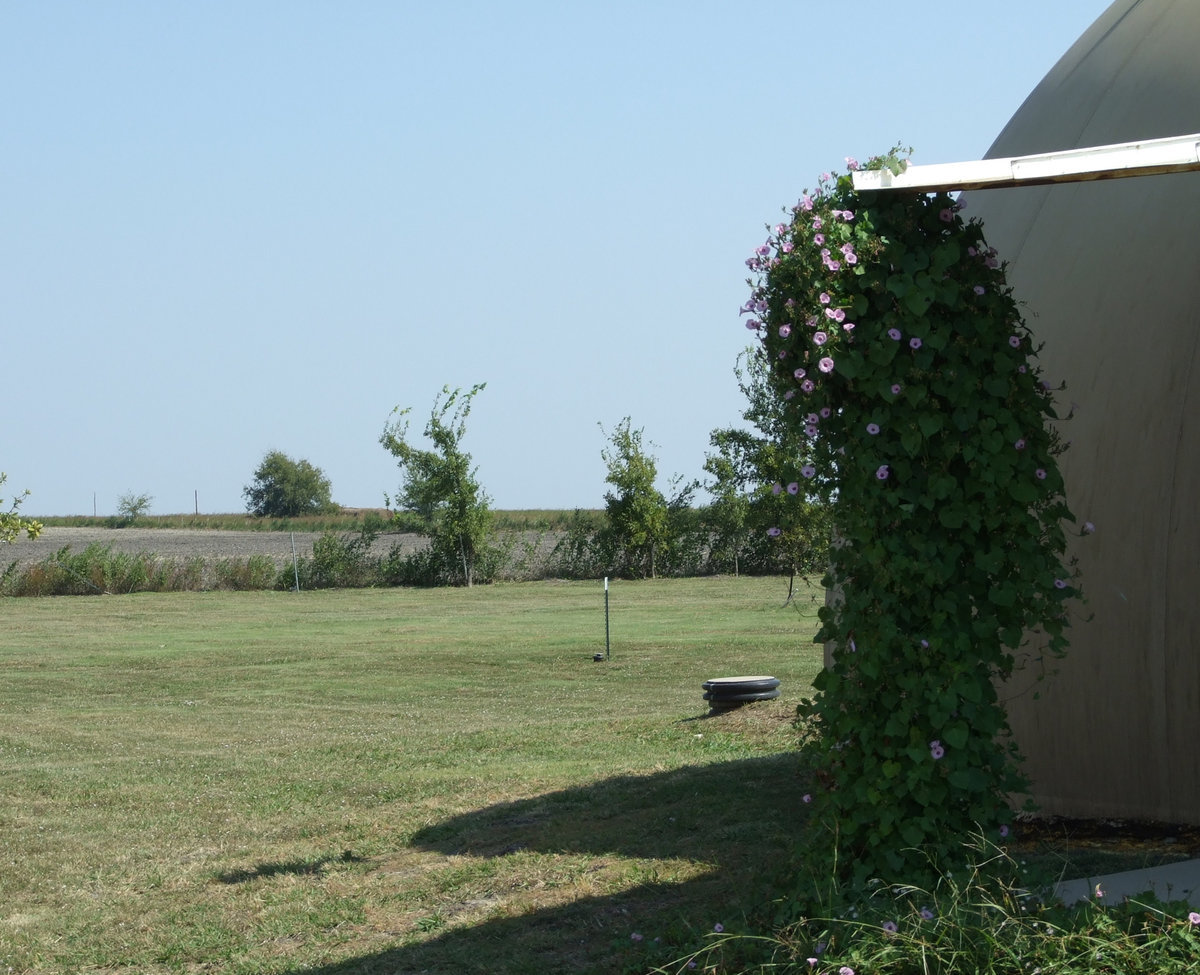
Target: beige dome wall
<point>1110,273</point>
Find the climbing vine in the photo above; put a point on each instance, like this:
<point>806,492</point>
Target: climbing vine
<point>903,358</point>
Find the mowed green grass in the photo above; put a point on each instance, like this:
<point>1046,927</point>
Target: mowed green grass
<point>391,780</point>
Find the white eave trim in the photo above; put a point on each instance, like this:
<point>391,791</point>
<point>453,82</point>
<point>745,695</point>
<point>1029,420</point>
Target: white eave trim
<point>1179,154</point>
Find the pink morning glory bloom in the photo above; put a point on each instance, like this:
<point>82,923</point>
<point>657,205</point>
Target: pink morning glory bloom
<point>890,927</point>
<point>808,470</point>
<point>825,365</point>
<point>774,532</point>
<point>1020,444</point>
<point>839,315</point>
<point>799,374</point>
<point>776,488</point>
<point>882,473</point>
<point>851,258</point>
<point>847,215</point>
<point>762,250</point>
<point>834,265</point>
<point>1014,341</point>
<point>872,428</point>
<point>914,343</point>
<point>1060,583</point>
<point>896,389</point>
<point>849,326</point>
<point>1003,832</point>
<point>818,239</point>
<point>1040,474</point>
<point>718,928</point>
<point>789,394</point>
<point>808,385</point>
<point>824,298</point>
<point>979,289</point>
<point>825,412</point>
<point>894,334</point>
<point>806,202</point>
<point>785,331</point>
<point>845,970</point>
<point>793,488</point>
<point>812,430</point>
<point>936,749</point>
<point>820,338</point>
<point>1194,918</point>
<point>851,162</point>
<point>786,247</point>
<point>817,223</point>
<point>778,229</point>
<point>807,797</point>
<point>946,215</point>
<point>926,914</point>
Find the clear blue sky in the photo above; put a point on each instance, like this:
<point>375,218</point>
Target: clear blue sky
<point>227,228</point>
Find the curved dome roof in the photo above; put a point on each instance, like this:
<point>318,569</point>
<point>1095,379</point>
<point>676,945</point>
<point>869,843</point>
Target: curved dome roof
<point>1110,273</point>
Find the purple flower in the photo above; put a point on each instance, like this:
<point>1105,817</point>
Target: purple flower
<point>847,215</point>
<point>825,365</point>
<point>808,470</point>
<point>1014,341</point>
<point>818,239</point>
<point>817,223</point>
<point>845,970</point>
<point>1019,444</point>
<point>896,389</point>
<point>793,488</point>
<point>1004,831</point>
<point>834,265</point>
<point>1021,369</point>
<point>785,331</point>
<point>894,334</point>
<point>925,644</point>
<point>936,749</point>
<point>799,374</point>
<point>777,489</point>
<point>825,413</point>
<point>926,914</point>
<point>972,251</point>
<point>979,289</point>
<point>808,385</point>
<point>774,532</point>
<point>811,418</point>
<point>752,324</point>
<point>789,394</point>
<point>812,430</point>
<point>851,162</point>
<point>1040,474</point>
<point>882,473</point>
<point>1060,583</point>
<point>914,343</point>
<point>807,797</point>
<point>872,428</point>
<point>848,326</point>
<point>762,250</point>
<point>824,298</point>
<point>820,338</point>
<point>890,927</point>
<point>1194,918</point>
<point>839,315</point>
<point>946,215</point>
<point>786,247</point>
<point>806,202</point>
<point>847,250</point>
<point>718,927</point>
<point>851,258</point>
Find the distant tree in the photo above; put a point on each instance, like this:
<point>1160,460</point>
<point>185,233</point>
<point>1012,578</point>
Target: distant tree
<point>286,488</point>
<point>130,507</point>
<point>639,515</point>
<point>441,488</point>
<point>11,523</point>
<point>765,509</point>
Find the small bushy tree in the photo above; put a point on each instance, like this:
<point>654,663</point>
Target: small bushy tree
<point>11,523</point>
<point>639,516</point>
<point>286,488</point>
<point>131,507</point>
<point>441,488</point>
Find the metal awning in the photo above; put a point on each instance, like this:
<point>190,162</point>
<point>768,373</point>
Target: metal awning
<point>1179,154</point>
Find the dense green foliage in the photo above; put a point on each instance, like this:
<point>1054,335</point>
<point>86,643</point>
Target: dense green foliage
<point>11,523</point>
<point>287,488</point>
<point>638,529</point>
<point>442,490</point>
<point>904,361</point>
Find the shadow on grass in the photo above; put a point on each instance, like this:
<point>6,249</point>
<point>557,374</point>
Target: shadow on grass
<point>739,818</point>
<point>298,868</point>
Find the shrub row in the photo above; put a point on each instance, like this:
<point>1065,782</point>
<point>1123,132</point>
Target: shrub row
<point>584,550</point>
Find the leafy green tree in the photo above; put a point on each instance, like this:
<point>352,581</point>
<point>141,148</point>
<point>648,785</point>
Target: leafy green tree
<point>763,514</point>
<point>286,488</point>
<point>639,515</point>
<point>11,523</point>
<point>441,488</point>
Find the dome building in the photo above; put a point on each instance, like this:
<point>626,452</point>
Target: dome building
<point>1109,274</point>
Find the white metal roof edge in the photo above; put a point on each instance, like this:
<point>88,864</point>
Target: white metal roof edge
<point>1178,154</point>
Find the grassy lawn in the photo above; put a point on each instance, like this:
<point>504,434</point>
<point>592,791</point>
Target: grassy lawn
<point>390,780</point>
